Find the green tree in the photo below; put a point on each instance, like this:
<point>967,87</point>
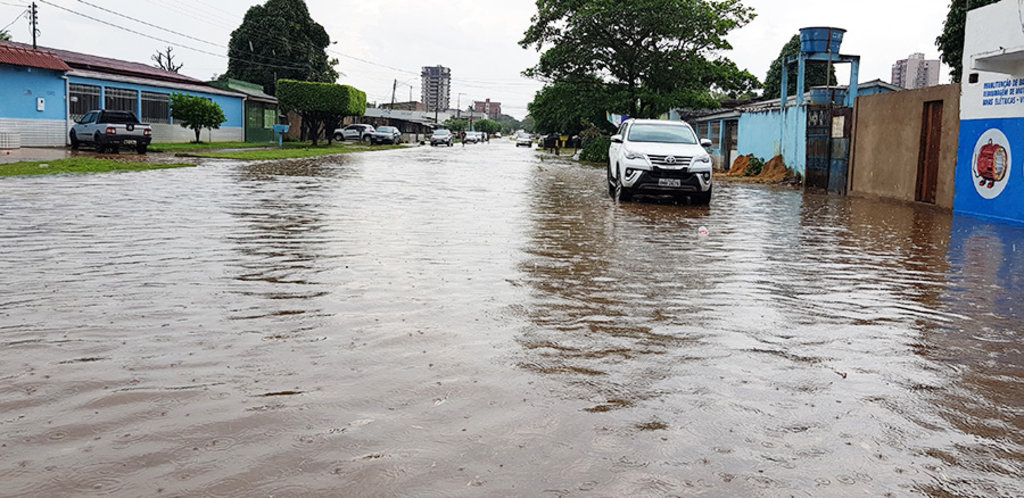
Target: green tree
<point>322,106</point>
<point>814,74</point>
<point>5,36</point>
<point>528,124</point>
<point>279,40</point>
<point>570,106</point>
<point>457,125</point>
<point>651,55</point>
<point>487,126</point>
<point>196,113</point>
<point>951,41</point>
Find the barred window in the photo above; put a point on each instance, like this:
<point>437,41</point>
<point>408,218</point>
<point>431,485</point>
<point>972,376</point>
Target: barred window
<point>120,99</point>
<point>156,107</point>
<point>84,98</point>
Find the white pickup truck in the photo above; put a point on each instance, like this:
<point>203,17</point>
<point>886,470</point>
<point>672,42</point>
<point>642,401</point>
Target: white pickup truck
<point>109,130</point>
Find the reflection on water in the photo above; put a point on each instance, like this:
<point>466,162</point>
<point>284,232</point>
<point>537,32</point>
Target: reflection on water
<point>478,321</point>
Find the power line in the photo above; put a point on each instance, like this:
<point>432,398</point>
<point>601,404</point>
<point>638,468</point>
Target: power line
<point>165,41</point>
<point>9,4</point>
<point>19,16</point>
<point>149,24</point>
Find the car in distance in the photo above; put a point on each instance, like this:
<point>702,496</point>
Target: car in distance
<point>524,139</point>
<point>386,134</point>
<point>659,157</point>
<point>442,136</point>
<point>473,137</point>
<point>109,130</point>
<point>357,132</point>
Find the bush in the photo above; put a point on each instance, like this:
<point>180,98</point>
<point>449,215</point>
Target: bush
<point>196,113</point>
<point>755,168</point>
<point>596,151</point>
<point>321,105</point>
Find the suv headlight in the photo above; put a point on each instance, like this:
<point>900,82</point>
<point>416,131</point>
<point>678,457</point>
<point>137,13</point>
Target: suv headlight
<point>702,160</point>
<point>633,155</point>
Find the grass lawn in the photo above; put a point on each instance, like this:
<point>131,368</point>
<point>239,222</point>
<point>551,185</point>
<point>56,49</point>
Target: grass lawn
<point>295,152</point>
<point>78,165</point>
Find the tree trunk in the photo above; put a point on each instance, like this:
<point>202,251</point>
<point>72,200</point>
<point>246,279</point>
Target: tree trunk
<point>197,130</point>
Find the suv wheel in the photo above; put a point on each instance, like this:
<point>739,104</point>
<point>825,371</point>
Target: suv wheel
<point>611,184</point>
<point>339,137</point>
<point>702,198</point>
<point>623,194</point>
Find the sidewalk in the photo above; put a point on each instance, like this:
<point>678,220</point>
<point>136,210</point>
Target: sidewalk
<point>35,154</point>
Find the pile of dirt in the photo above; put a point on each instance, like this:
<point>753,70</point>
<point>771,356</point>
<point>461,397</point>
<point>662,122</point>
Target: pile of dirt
<point>739,166</point>
<point>774,171</point>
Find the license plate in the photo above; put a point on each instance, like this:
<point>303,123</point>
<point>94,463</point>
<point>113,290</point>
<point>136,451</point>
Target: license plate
<point>670,182</point>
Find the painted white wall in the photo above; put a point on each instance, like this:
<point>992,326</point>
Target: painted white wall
<point>166,133</point>
<point>36,132</point>
<point>994,39</point>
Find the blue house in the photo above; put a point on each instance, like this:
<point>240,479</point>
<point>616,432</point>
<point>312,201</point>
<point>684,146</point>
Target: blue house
<point>32,96</point>
<point>87,82</point>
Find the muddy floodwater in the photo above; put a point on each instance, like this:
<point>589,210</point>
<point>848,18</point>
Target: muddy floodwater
<point>480,321</point>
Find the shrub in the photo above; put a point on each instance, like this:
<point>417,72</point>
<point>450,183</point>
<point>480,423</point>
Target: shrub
<point>321,105</point>
<point>596,150</point>
<point>196,113</point>
<point>755,168</point>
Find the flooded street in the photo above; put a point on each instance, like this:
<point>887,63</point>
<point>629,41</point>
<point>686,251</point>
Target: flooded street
<point>481,322</point>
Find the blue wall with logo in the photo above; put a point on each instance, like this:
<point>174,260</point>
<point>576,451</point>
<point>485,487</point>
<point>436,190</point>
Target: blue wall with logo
<point>995,192</point>
<point>21,86</point>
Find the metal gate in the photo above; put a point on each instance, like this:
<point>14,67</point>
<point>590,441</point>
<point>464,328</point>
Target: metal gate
<point>828,148</point>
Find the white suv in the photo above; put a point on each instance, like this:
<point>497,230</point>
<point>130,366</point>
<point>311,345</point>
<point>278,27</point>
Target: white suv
<point>659,157</point>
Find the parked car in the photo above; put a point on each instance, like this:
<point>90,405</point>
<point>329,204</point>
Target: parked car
<point>497,135</point>
<point>109,130</point>
<point>473,137</point>
<point>386,134</point>
<point>659,157</point>
<point>357,132</point>
<point>442,136</point>
<point>524,139</point>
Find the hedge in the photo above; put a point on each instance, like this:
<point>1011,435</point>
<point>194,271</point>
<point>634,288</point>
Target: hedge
<point>305,96</point>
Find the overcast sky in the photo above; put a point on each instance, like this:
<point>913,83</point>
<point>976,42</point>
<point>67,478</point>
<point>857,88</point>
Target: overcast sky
<point>381,41</point>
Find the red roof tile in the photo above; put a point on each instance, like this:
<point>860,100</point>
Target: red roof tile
<point>106,65</point>
<point>18,56</point>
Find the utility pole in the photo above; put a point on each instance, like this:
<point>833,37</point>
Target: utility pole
<point>35,23</point>
<point>393,88</point>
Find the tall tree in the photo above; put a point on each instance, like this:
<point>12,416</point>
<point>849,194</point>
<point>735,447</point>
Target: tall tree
<point>165,60</point>
<point>951,41</point>
<point>5,36</point>
<point>651,55</point>
<point>279,40</point>
<point>571,105</point>
<point>814,74</point>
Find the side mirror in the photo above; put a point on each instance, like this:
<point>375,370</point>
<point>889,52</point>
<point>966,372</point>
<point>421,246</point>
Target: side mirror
<point>705,143</point>
<point>616,139</point>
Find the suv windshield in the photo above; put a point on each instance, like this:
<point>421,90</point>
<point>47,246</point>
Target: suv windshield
<point>441,132</point>
<point>665,134</point>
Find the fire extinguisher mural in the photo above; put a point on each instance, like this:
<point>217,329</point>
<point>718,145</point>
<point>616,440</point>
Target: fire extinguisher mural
<point>992,164</point>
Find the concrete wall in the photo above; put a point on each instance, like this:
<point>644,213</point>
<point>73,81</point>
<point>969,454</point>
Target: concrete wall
<point>887,144</point>
<point>771,133</point>
<point>19,89</point>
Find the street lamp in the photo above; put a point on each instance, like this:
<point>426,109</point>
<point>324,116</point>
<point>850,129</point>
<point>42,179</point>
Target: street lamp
<point>458,105</point>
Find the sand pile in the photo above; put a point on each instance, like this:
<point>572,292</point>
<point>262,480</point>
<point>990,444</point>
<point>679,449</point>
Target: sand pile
<point>774,171</point>
<point>740,165</point>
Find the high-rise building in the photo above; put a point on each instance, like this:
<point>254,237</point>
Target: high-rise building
<point>915,72</point>
<point>487,107</point>
<point>436,87</point>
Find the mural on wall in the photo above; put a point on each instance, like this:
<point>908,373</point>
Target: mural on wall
<point>992,163</point>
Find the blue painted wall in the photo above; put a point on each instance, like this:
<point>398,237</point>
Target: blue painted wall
<point>21,86</point>
<point>767,134</point>
<point>232,106</point>
<point>992,199</point>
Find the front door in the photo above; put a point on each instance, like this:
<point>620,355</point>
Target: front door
<point>928,161</point>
